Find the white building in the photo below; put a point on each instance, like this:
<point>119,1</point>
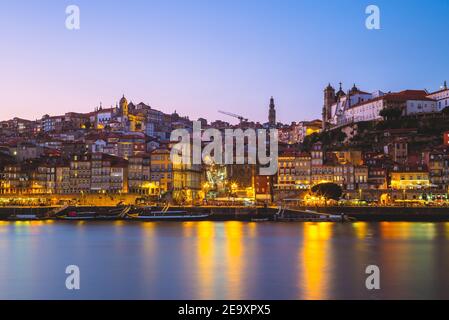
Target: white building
<point>441,97</point>
<point>425,105</point>
<point>104,117</point>
<point>356,106</point>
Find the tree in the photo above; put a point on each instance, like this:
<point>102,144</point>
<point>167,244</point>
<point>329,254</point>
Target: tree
<point>339,136</point>
<point>310,140</point>
<point>390,113</point>
<point>327,190</point>
<point>445,111</point>
<point>87,125</point>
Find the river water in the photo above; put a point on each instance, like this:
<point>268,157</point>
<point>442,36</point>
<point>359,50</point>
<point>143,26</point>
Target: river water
<point>223,260</point>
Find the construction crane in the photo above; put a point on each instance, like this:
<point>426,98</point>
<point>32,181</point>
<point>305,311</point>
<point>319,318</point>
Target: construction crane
<point>241,118</point>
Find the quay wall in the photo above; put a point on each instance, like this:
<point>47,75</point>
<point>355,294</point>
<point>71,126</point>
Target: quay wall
<point>387,213</point>
<point>219,213</point>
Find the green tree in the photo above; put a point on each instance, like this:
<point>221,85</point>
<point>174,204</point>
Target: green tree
<point>327,190</point>
<point>390,113</point>
<point>310,140</point>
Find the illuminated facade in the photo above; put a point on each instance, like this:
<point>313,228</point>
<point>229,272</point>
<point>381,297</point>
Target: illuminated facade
<point>162,169</point>
<point>187,183</point>
<point>410,179</point>
<point>286,179</point>
<point>139,175</point>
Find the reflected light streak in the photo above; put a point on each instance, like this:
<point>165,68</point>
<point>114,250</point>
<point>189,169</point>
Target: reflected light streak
<point>205,258</point>
<point>187,229</point>
<point>234,259</point>
<point>397,230</point>
<point>407,230</point>
<point>314,258</point>
<point>361,229</point>
<point>446,230</point>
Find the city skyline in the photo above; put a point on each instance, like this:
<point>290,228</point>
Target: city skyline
<point>201,57</point>
<point>224,150</point>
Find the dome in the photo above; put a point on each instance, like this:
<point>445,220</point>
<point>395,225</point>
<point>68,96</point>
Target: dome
<point>340,92</point>
<point>354,89</point>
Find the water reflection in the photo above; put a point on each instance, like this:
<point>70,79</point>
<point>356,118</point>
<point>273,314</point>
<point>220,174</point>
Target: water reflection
<point>234,260</point>
<point>361,229</point>
<point>229,260</point>
<point>206,259</point>
<point>407,230</point>
<point>315,257</point>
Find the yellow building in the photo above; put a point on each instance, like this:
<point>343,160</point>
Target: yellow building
<point>187,183</point>
<point>136,122</point>
<point>410,179</point>
<point>162,169</point>
<point>350,156</point>
<point>286,179</point>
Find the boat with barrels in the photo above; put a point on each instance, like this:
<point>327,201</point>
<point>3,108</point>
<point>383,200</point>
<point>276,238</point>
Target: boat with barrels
<point>165,214</point>
<point>92,213</point>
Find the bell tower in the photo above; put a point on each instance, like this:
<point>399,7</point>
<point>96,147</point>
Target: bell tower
<point>329,100</point>
<point>272,113</point>
<point>124,106</point>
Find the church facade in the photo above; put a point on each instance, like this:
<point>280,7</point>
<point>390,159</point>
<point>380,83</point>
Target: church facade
<point>343,108</point>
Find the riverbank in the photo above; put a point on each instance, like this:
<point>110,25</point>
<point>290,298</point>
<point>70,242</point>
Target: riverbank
<point>406,214</point>
<point>237,213</point>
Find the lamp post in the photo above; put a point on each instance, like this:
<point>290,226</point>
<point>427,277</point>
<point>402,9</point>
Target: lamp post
<point>403,196</point>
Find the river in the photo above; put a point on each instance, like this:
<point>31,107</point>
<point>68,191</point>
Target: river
<point>223,260</point>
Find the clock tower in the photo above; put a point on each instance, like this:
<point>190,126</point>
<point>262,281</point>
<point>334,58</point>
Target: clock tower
<point>272,113</point>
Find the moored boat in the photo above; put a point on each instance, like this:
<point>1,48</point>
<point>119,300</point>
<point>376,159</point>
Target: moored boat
<point>311,216</point>
<point>86,213</point>
<point>27,217</point>
<point>260,219</point>
<point>149,214</point>
<point>25,213</point>
<point>77,215</point>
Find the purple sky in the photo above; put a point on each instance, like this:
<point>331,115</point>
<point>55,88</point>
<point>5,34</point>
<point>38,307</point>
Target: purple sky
<point>201,56</point>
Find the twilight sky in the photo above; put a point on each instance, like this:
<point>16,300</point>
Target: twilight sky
<point>199,56</point>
